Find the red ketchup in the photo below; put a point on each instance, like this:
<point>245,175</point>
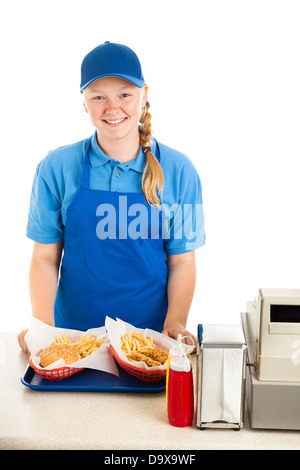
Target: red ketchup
<point>180,391</point>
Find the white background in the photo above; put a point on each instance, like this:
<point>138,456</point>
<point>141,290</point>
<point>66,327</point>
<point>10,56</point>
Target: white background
<point>224,89</point>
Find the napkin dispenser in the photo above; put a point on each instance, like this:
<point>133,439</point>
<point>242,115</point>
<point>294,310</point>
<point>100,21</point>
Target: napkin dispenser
<point>221,366</point>
<point>273,319</point>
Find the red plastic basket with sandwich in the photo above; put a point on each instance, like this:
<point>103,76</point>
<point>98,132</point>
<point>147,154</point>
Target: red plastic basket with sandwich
<point>70,348</point>
<point>55,374</point>
<point>143,374</point>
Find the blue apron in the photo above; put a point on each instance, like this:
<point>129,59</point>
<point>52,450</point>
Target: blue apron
<point>114,273</point>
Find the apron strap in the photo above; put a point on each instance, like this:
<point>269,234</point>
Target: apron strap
<point>85,177</point>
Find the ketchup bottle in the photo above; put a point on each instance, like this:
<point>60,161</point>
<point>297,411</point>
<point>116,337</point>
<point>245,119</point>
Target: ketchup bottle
<point>180,390</point>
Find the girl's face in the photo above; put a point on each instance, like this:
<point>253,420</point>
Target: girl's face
<point>114,106</point>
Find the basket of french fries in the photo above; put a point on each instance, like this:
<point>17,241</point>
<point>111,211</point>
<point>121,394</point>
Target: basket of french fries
<point>58,353</point>
<point>141,353</point>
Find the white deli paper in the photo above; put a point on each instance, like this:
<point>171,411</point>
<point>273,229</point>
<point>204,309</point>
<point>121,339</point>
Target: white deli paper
<point>116,329</point>
<point>40,336</point>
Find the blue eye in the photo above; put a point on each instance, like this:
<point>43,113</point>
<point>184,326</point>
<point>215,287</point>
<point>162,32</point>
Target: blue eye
<point>124,95</point>
<point>98,98</point>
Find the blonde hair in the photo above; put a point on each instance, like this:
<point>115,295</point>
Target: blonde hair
<point>153,177</point>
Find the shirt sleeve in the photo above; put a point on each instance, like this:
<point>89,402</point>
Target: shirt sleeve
<point>44,219</point>
<point>184,220</point>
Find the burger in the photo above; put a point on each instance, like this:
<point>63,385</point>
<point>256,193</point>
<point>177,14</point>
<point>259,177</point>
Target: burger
<point>59,351</point>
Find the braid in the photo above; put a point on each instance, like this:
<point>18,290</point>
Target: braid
<point>153,177</point>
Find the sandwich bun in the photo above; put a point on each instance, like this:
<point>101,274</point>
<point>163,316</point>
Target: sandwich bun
<point>59,351</point>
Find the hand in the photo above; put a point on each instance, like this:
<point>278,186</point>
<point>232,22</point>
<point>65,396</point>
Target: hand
<point>22,342</point>
<point>174,330</point>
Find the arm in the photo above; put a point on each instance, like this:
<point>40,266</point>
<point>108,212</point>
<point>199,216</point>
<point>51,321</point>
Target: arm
<point>43,279</point>
<point>181,287</point>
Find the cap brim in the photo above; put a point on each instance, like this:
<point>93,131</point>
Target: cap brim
<point>137,82</point>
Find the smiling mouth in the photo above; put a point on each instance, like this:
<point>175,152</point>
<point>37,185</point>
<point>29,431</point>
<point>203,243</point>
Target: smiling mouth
<point>115,122</point>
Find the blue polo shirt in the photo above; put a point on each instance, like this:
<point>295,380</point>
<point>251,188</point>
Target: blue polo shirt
<point>58,175</point>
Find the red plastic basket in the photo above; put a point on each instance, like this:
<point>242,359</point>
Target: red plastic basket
<point>55,374</point>
<point>142,374</point>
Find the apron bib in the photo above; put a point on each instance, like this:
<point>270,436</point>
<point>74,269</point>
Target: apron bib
<point>114,262</point>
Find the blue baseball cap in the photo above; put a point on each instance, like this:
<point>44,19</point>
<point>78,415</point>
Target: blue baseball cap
<point>111,60</point>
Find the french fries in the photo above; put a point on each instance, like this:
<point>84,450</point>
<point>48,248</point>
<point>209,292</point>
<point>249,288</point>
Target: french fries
<point>137,347</point>
<point>85,345</point>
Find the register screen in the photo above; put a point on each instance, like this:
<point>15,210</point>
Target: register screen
<point>285,313</point>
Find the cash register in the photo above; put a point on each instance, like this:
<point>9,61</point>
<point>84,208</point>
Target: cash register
<point>272,331</point>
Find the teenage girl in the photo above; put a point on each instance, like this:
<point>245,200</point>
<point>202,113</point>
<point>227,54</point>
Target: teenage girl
<point>115,218</point>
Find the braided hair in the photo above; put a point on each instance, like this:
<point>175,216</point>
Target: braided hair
<point>153,177</point>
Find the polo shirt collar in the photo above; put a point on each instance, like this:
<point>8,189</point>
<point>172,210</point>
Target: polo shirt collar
<point>98,158</point>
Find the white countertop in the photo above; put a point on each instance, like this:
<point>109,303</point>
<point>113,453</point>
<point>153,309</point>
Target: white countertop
<point>39,420</point>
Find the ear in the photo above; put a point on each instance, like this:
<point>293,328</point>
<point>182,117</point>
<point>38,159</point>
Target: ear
<point>145,95</point>
<point>85,107</point>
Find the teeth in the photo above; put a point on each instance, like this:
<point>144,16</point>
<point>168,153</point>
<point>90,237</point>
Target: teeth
<point>115,122</point>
